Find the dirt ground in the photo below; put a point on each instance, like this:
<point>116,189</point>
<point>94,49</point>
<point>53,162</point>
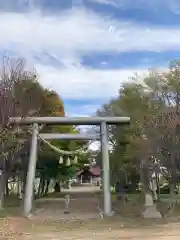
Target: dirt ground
<point>170,231</point>
<point>50,223</point>
<point>166,232</point>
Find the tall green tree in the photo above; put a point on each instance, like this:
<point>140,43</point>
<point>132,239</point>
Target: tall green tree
<point>153,105</point>
<point>22,95</point>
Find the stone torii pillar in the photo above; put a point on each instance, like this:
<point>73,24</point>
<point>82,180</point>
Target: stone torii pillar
<point>106,170</point>
<point>29,189</point>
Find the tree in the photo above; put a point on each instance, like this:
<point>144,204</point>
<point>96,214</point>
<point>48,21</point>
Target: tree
<point>16,84</point>
<point>22,95</point>
<point>48,160</point>
<point>48,166</point>
<point>153,106</point>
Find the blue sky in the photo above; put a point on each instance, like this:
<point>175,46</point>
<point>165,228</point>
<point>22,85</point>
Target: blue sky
<point>84,49</point>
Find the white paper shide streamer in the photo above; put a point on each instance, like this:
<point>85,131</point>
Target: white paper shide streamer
<point>68,162</point>
<point>61,160</point>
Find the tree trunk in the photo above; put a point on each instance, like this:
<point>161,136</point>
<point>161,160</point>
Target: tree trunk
<point>173,166</point>
<point>40,186</point>
<point>144,177</point>
<point>172,188</point>
<point>158,186</point>
<point>47,186</point>
<point>173,177</point>
<point>3,184</point>
<point>19,186</point>
<point>2,189</point>
<point>23,176</point>
<point>57,187</point>
<point>7,185</point>
<point>43,186</point>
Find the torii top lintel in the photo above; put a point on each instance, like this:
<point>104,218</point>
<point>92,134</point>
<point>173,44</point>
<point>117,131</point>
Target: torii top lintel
<point>70,120</point>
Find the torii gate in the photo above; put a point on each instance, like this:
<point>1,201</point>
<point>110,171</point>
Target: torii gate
<point>103,137</point>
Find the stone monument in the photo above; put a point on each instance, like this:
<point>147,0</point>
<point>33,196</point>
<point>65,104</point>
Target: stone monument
<point>67,202</point>
<point>150,208</point>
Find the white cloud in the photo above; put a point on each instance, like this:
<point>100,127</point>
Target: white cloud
<point>95,146</point>
<point>114,3</point>
<point>81,83</point>
<point>81,31</point>
<point>73,33</point>
<point>174,6</point>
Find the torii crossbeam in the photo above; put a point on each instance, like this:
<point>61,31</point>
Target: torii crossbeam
<point>103,136</point>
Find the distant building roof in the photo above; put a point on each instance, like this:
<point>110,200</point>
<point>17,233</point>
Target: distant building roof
<point>95,171</point>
